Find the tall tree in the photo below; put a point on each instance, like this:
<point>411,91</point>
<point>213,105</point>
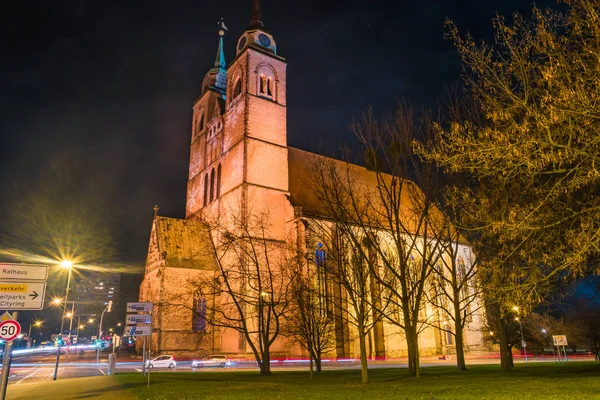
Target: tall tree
<point>455,286</point>
<point>537,87</point>
<point>308,319</point>
<point>386,212</point>
<point>251,281</point>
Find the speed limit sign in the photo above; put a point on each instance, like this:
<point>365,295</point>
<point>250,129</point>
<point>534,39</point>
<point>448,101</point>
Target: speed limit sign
<point>9,330</point>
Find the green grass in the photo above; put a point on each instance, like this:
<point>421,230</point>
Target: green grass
<point>576,380</point>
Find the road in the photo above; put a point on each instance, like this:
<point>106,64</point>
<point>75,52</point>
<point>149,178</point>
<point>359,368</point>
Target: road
<point>38,365</point>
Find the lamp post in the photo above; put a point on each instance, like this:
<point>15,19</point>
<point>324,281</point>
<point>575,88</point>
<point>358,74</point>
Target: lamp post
<point>523,344</point>
<point>69,265</point>
<point>37,324</point>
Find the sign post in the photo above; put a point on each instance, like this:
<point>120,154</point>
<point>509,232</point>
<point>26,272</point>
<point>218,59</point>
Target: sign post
<point>560,341</point>
<point>9,330</point>
<point>140,324</point>
<point>22,287</point>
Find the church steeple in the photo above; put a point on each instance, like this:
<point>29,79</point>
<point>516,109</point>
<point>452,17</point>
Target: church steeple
<point>217,76</point>
<point>220,60</point>
<point>256,35</point>
<point>256,18</point>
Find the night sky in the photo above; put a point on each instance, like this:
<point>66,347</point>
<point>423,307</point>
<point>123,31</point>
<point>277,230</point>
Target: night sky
<point>103,89</point>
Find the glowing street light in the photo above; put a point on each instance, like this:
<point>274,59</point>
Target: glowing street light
<point>56,300</point>
<point>37,324</point>
<point>81,326</point>
<point>91,320</point>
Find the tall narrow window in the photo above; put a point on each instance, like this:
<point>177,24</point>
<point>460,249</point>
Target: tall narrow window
<point>212,184</point>
<point>201,123</point>
<point>237,88</point>
<point>321,264</point>
<point>219,181</point>
<point>269,87</point>
<point>199,314</point>
<point>205,189</point>
<point>262,85</point>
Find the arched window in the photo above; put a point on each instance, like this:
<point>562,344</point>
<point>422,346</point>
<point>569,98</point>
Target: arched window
<point>212,184</point>
<point>449,335</point>
<point>205,189</point>
<point>199,314</point>
<point>322,281</point>
<point>265,87</point>
<point>237,88</point>
<point>219,181</point>
<point>201,123</point>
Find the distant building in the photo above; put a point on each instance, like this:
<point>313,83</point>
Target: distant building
<point>95,289</point>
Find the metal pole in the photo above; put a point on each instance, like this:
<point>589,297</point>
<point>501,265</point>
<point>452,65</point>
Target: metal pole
<point>99,337</point>
<point>62,324</point>
<point>144,357</point>
<point>523,340</point>
<point>6,364</point>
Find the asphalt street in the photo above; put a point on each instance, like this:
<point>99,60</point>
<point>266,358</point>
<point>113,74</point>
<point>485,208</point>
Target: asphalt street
<point>38,365</point>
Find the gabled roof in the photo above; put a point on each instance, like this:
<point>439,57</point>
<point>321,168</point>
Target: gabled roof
<point>183,243</point>
<point>301,166</point>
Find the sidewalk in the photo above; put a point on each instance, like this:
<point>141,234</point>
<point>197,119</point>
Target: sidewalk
<point>97,388</point>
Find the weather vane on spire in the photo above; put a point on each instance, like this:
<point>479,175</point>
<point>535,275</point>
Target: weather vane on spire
<point>222,27</point>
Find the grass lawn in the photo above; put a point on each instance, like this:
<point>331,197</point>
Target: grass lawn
<point>575,380</point>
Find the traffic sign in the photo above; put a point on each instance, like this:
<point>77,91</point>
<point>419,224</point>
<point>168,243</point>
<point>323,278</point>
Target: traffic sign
<point>22,295</point>
<point>23,272</point>
<point>138,331</point>
<point>560,340</point>
<point>9,330</point>
<point>139,307</point>
<point>136,319</point>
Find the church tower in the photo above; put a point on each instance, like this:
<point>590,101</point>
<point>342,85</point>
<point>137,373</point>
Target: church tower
<point>244,139</point>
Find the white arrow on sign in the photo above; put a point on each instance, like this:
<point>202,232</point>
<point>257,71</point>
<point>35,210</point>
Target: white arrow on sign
<point>138,319</point>
<point>23,272</point>
<point>139,307</point>
<point>22,295</point>
<point>138,331</point>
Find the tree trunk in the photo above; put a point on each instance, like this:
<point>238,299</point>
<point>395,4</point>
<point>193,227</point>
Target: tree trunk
<point>311,365</point>
<point>458,335</point>
<point>413,350</point>
<point>318,363</point>
<point>460,351</point>
<point>364,371</point>
<point>505,353</point>
<point>417,361</point>
<point>265,365</point>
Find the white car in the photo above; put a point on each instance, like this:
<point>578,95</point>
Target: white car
<point>211,361</point>
<point>162,362</point>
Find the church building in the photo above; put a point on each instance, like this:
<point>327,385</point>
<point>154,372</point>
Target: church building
<point>240,160</point>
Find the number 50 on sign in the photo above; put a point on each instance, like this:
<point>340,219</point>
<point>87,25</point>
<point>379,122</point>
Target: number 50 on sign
<point>9,330</point>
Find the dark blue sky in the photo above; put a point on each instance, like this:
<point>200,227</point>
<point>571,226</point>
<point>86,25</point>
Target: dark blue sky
<point>105,87</point>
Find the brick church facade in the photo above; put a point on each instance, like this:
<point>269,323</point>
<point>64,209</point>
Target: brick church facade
<point>239,158</point>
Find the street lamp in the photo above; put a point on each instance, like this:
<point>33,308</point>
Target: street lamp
<point>37,324</point>
<point>523,344</point>
<point>64,264</point>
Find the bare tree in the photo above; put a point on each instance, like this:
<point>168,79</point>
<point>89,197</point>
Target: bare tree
<point>250,283</point>
<point>455,288</point>
<point>308,320</point>
<point>385,212</point>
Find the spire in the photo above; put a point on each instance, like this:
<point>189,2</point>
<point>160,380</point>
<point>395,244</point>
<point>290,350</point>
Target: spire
<point>220,60</point>
<point>256,18</point>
